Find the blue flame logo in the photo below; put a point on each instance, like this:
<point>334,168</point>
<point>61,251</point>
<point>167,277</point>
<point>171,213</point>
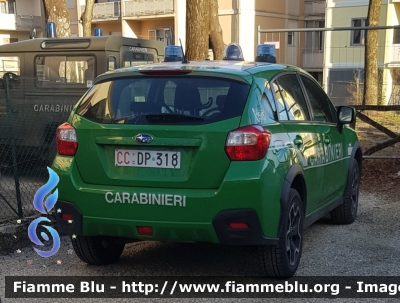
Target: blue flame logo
<point>44,206</point>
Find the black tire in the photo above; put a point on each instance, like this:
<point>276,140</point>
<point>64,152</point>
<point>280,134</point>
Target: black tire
<point>282,259</point>
<point>346,212</point>
<point>97,250</point>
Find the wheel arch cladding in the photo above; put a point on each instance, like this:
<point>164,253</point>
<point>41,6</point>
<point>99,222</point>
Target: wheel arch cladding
<point>357,154</point>
<point>294,179</point>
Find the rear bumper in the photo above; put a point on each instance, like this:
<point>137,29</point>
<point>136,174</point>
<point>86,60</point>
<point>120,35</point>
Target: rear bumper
<point>182,215</point>
<point>200,232</point>
<point>253,235</point>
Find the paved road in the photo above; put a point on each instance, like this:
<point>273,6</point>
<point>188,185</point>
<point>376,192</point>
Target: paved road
<point>369,247</point>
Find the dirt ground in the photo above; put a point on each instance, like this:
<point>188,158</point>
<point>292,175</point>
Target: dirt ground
<point>380,175</point>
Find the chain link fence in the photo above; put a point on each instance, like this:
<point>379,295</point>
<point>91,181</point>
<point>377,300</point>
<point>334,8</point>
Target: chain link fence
<point>29,118</point>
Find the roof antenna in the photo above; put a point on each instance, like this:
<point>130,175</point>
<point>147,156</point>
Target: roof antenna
<point>185,61</point>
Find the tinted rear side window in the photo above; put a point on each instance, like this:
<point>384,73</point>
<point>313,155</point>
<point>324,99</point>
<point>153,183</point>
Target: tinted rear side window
<point>319,101</point>
<point>170,100</point>
<point>290,95</point>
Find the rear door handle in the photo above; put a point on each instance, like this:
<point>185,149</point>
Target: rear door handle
<point>327,140</point>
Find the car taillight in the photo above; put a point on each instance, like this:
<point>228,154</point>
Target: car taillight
<point>67,143</point>
<point>247,143</point>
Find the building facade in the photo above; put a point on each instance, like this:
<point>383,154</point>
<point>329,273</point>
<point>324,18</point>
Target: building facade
<point>313,52</point>
<point>165,20</point>
<point>18,18</point>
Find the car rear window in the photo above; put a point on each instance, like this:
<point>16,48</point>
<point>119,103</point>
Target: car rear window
<point>165,100</point>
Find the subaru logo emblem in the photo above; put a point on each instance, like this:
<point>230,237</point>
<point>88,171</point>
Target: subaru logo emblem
<point>143,138</point>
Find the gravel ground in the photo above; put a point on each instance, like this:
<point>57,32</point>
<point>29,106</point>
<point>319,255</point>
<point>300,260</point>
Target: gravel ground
<point>368,247</point>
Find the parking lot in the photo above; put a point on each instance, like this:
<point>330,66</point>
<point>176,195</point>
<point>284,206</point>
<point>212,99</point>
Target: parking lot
<point>369,247</point>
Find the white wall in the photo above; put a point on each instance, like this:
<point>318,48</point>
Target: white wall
<point>7,22</point>
<point>180,22</point>
<point>247,28</point>
<point>28,7</point>
<point>127,30</point>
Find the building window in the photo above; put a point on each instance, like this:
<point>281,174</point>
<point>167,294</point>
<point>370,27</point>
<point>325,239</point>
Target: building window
<point>162,34</point>
<point>358,35</point>
<point>314,40</point>
<point>290,38</point>
<point>9,40</point>
<point>7,7</point>
<point>9,65</point>
<point>396,36</point>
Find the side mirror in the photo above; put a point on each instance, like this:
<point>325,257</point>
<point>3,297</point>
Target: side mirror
<point>346,115</point>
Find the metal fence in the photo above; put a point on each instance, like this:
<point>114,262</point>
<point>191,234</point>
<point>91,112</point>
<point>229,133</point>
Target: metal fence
<point>335,57</point>
<point>27,141</point>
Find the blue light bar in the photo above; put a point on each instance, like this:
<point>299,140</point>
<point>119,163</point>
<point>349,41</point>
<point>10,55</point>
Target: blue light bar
<point>266,53</point>
<point>173,53</point>
<point>234,52</point>
<point>98,31</point>
<point>51,30</point>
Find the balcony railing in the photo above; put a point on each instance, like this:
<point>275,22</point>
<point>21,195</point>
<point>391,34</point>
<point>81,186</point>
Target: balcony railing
<point>315,8</point>
<point>106,10</point>
<point>136,8</point>
<point>27,22</point>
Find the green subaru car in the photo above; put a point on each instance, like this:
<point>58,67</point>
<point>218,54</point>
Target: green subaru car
<point>228,152</point>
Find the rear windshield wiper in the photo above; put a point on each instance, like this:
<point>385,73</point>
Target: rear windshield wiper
<point>166,118</point>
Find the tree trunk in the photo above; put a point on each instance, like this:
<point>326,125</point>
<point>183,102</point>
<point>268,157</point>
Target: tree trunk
<point>56,11</point>
<point>371,82</point>
<point>87,17</point>
<point>216,39</point>
<point>197,29</point>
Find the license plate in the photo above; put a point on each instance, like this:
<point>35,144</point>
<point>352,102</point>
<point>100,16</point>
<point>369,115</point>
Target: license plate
<point>147,158</point>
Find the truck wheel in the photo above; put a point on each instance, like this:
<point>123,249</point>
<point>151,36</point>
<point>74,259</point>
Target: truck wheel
<point>346,212</point>
<point>282,259</point>
<point>97,250</point>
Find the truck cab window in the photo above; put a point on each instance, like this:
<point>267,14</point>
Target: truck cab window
<point>134,59</point>
<point>60,71</point>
